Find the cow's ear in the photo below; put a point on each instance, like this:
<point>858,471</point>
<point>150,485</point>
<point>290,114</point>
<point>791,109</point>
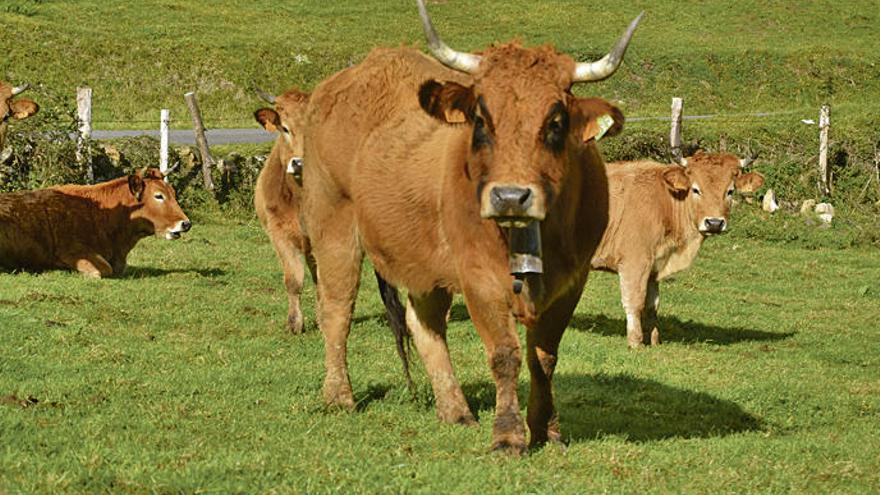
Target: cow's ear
<point>23,108</point>
<point>749,183</point>
<point>598,118</point>
<point>269,119</point>
<point>676,178</point>
<point>449,102</point>
<point>136,186</point>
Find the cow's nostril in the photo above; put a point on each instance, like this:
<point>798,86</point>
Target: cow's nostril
<point>714,225</point>
<point>511,200</point>
<point>185,226</point>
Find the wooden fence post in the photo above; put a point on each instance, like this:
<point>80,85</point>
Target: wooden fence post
<point>164,117</point>
<point>824,171</point>
<point>201,140</point>
<point>675,131</point>
<point>84,114</point>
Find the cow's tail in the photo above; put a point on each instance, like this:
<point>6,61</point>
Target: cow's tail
<point>396,314</point>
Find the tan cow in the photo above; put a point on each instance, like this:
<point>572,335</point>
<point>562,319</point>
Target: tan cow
<point>431,171</point>
<point>277,195</point>
<point>11,107</point>
<point>659,216</point>
<point>90,229</point>
<point>277,201</point>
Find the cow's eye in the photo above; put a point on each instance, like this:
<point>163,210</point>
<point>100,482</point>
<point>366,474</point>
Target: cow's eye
<point>481,136</point>
<point>159,197</point>
<point>730,192</point>
<point>556,128</point>
<point>696,190</point>
<point>285,129</point>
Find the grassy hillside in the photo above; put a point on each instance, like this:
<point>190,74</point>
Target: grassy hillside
<point>722,57</point>
<point>725,58</point>
<point>180,378</point>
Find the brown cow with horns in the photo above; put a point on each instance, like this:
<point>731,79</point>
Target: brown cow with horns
<point>457,181</point>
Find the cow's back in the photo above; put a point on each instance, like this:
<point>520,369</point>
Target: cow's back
<point>34,225</point>
<point>350,106</point>
<point>640,213</point>
<point>369,137</point>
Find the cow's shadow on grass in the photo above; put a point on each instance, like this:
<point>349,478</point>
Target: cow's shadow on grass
<point>674,330</point>
<point>638,410</point>
<point>153,272</point>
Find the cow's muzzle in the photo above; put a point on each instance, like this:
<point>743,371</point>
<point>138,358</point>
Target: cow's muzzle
<point>713,225</point>
<point>181,227</point>
<point>295,168</point>
<point>512,205</point>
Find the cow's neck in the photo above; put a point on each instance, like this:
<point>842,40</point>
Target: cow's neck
<point>117,208</point>
<point>276,175</point>
<point>686,241</point>
<point>575,222</point>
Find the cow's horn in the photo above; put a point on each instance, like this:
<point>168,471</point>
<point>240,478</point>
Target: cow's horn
<point>20,89</point>
<point>264,95</point>
<point>745,162</point>
<point>607,65</point>
<point>464,62</point>
<point>172,169</point>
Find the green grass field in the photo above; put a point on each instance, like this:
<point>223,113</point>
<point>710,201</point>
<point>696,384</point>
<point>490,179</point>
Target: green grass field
<point>181,378</point>
<point>722,57</point>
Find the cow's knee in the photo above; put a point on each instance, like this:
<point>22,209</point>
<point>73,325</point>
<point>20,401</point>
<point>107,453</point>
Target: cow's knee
<point>505,362</point>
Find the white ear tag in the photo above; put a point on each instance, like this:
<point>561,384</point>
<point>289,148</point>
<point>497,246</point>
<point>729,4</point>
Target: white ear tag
<point>604,122</point>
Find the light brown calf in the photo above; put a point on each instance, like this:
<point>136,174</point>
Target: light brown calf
<point>659,215</point>
<point>277,196</point>
<point>90,229</point>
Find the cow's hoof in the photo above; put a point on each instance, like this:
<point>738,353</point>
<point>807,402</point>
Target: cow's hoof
<point>636,345</point>
<point>464,419</point>
<point>295,324</point>
<point>509,448</point>
<point>655,337</point>
<point>457,414</point>
<point>338,395</point>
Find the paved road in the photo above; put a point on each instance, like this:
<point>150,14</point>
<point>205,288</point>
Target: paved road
<point>215,136</point>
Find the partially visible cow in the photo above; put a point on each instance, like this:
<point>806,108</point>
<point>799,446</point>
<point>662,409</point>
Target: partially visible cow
<point>277,201</point>
<point>277,195</point>
<point>90,229</point>
<point>430,171</point>
<point>11,107</point>
<point>659,215</point>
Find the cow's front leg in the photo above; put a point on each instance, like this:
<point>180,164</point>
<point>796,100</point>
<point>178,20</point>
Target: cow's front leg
<point>633,287</point>
<point>542,344</point>
<point>91,265</point>
<point>652,303</point>
<point>426,318</point>
<point>490,312</point>
<point>286,247</point>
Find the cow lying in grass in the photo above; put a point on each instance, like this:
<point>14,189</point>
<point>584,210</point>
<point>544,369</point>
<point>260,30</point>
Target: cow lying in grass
<point>90,229</point>
<point>659,215</point>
